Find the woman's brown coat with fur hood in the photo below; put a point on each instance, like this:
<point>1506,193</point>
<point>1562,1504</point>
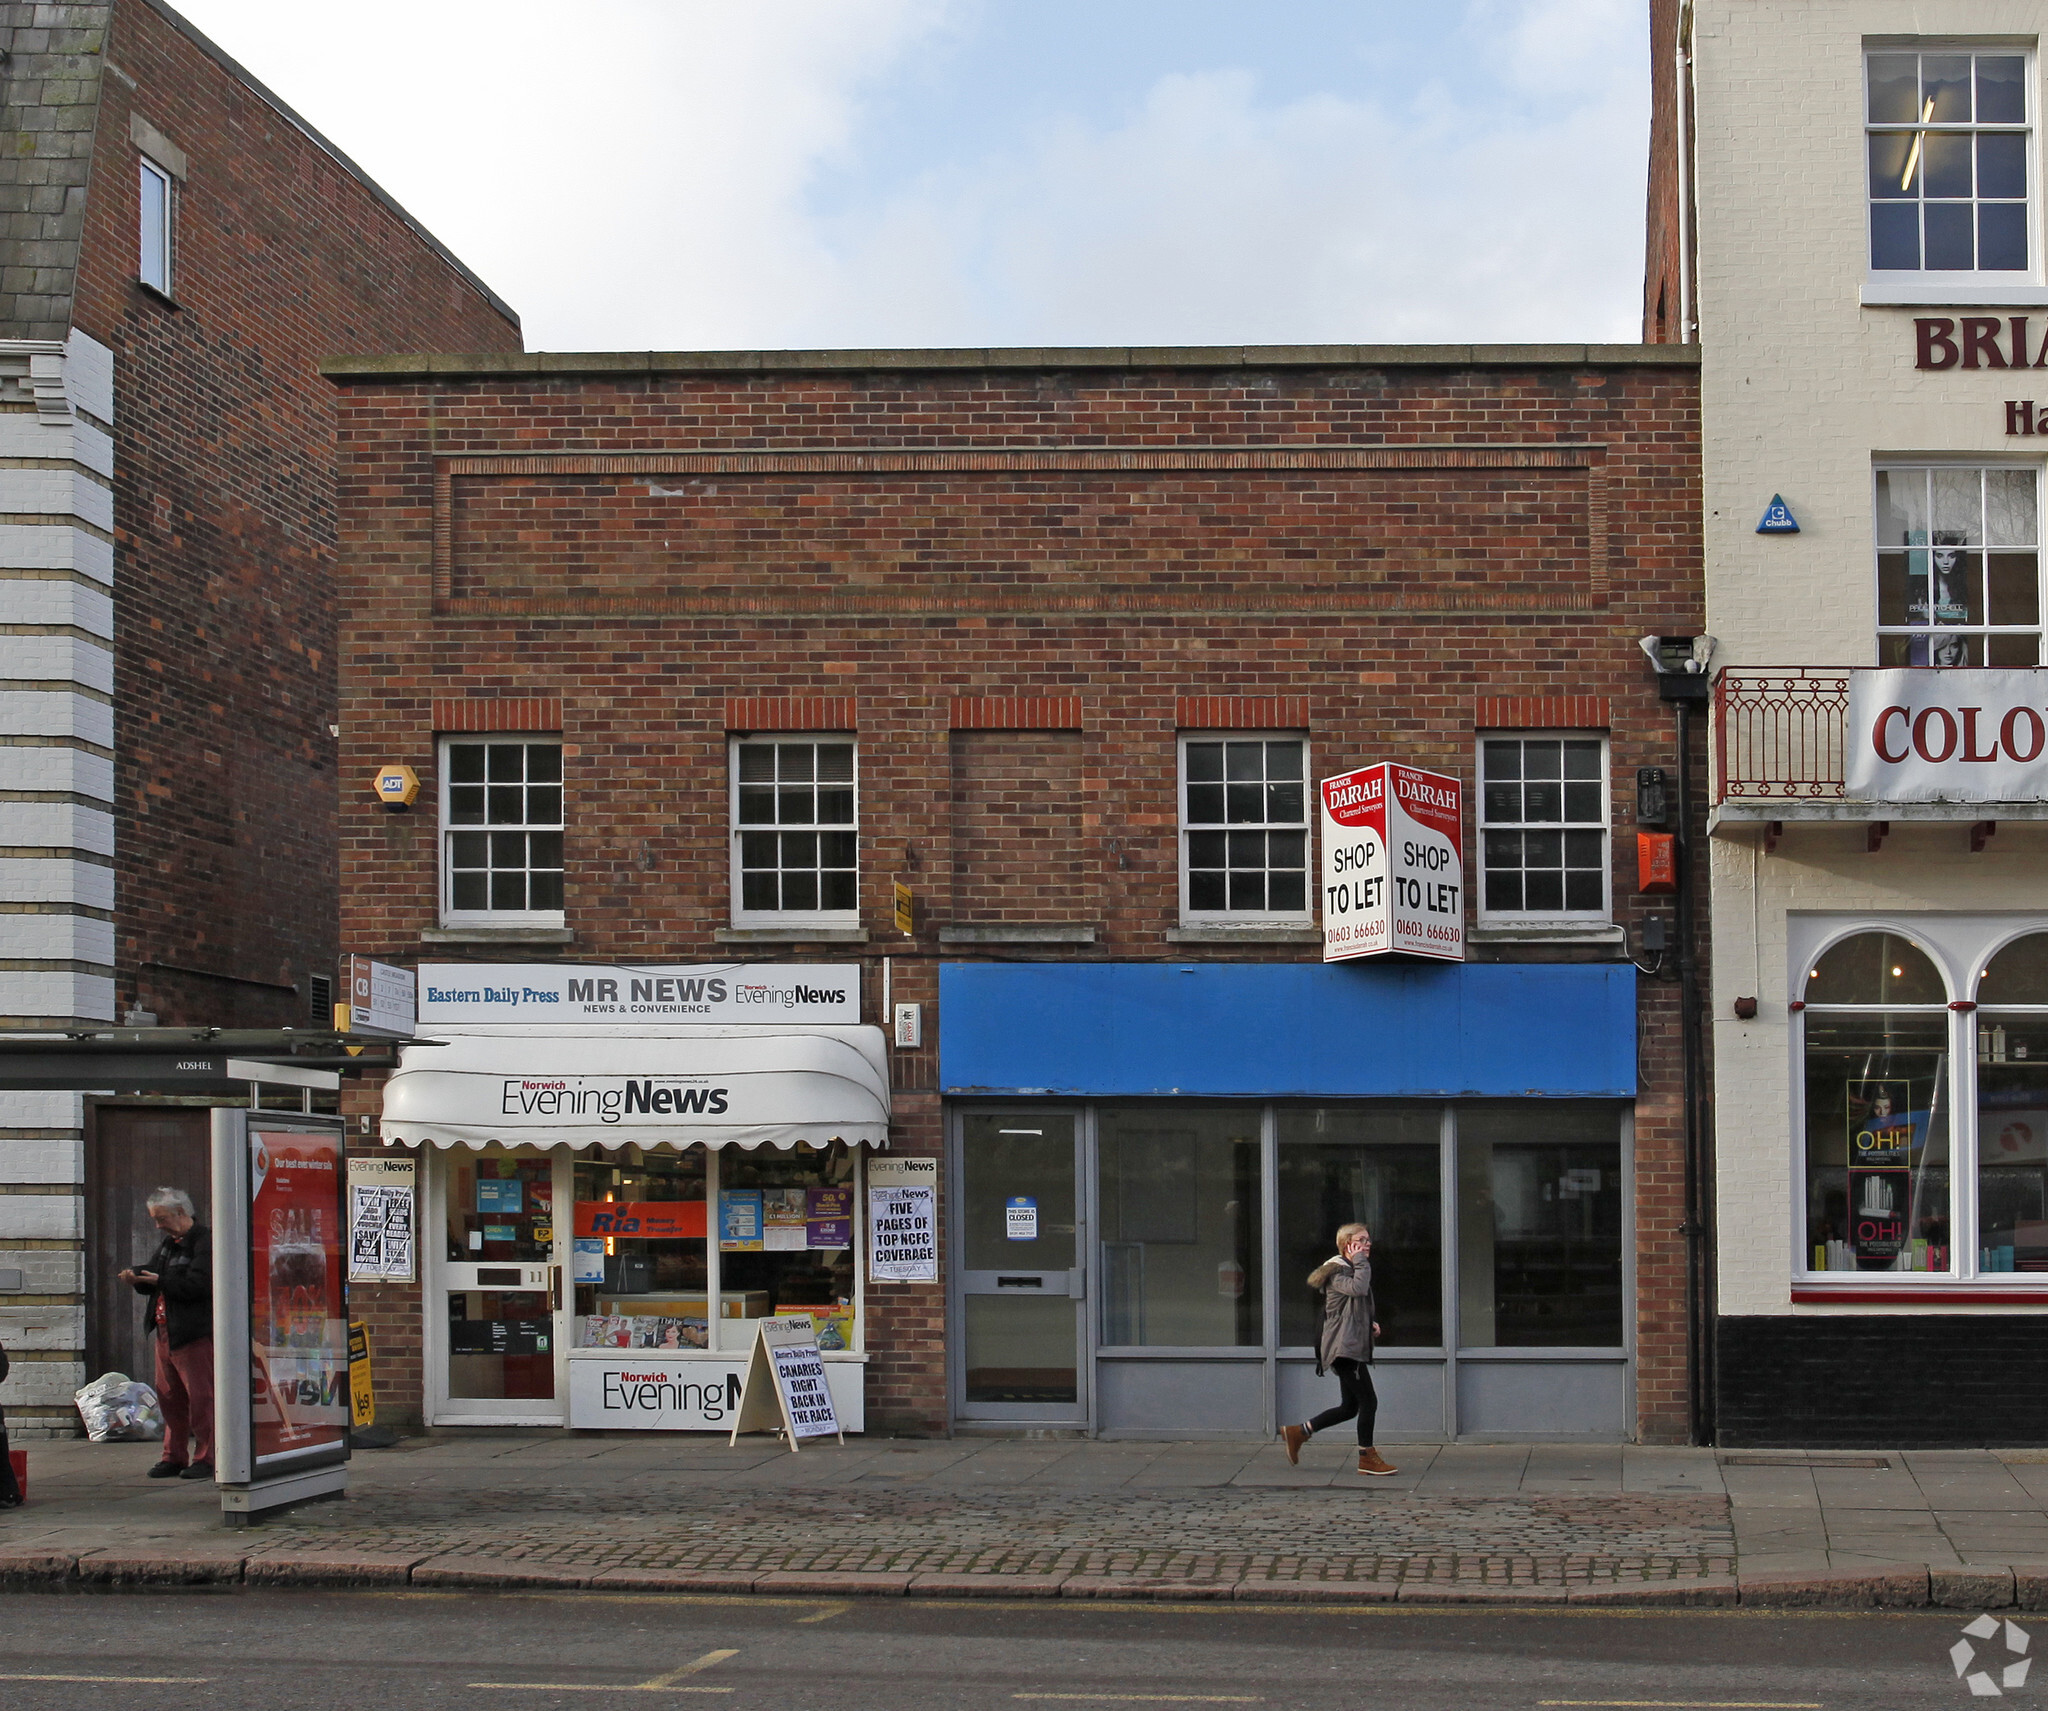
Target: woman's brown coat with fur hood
<point>1347,1310</point>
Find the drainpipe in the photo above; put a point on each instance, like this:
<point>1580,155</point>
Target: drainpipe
<point>1681,95</point>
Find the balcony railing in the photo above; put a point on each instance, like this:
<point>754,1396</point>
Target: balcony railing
<point>1778,735</point>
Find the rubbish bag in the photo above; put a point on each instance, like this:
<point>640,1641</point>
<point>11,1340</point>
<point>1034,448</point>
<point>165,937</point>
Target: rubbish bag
<point>118,1409</point>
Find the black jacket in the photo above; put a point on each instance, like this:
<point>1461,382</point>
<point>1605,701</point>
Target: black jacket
<point>185,1264</point>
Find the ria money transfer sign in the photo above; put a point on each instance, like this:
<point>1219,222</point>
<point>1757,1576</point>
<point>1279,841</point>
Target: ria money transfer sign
<point>1393,864</point>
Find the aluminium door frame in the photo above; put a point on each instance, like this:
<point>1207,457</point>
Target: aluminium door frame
<point>1083,1419</point>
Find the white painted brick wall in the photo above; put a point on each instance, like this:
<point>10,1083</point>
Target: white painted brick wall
<point>71,938</point>
<point>25,433</point>
<point>89,375</point>
<point>42,1111</point>
<point>53,546</point>
<point>47,1161</point>
<point>43,1384</point>
<point>56,659</point>
<point>41,1217</point>
<point>30,992</point>
<point>55,713</point>
<point>57,826</point>
<point>58,600</point>
<point>42,1328</point>
<point>47,1271</point>
<point>52,879</point>
<point>57,493</point>
<point>54,768</point>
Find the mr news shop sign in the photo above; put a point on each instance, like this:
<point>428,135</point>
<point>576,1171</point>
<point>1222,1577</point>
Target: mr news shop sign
<point>1393,864</point>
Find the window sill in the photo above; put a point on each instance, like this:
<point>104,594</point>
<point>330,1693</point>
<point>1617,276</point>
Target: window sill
<point>1957,1294</point>
<point>1016,933</point>
<point>497,936</point>
<point>791,935</point>
<point>154,295</point>
<point>1547,933</point>
<point>1904,295</point>
<point>1245,933</point>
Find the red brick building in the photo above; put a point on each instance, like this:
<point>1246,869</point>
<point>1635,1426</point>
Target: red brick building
<point>700,659</point>
<point>178,250</point>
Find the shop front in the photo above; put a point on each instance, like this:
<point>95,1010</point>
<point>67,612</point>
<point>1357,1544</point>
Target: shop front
<point>1149,1159</point>
<point>610,1209</point>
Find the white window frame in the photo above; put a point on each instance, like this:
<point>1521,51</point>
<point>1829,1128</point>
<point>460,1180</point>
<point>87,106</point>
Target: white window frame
<point>1302,917</point>
<point>1978,632</point>
<point>1971,280</point>
<point>771,918</point>
<point>1961,948</point>
<point>450,916</point>
<point>153,259</point>
<point>1481,825</point>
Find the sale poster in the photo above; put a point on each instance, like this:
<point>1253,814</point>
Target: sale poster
<point>299,1392</point>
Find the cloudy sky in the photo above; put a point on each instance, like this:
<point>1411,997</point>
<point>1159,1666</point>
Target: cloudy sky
<point>710,174</point>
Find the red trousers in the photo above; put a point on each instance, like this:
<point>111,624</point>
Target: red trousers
<point>184,1389</point>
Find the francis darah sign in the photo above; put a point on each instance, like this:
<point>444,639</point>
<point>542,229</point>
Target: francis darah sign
<point>1393,867</point>
<point>597,994</point>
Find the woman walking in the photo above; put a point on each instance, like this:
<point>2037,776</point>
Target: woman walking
<point>1345,1348</point>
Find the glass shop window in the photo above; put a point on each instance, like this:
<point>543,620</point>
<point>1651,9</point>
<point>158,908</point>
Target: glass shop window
<point>638,1260</point>
<point>2012,1108</point>
<point>1380,1166</point>
<point>500,1207</point>
<point>1878,1108</point>
<point>1178,1193</point>
<point>785,1239</point>
<point>1958,566</point>
<point>1539,1225</point>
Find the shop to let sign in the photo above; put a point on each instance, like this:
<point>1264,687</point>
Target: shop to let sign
<point>1393,864</point>
<point>1946,736</point>
<point>903,1223</point>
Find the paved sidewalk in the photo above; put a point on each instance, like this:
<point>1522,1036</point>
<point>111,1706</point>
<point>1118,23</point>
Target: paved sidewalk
<point>1015,1517</point>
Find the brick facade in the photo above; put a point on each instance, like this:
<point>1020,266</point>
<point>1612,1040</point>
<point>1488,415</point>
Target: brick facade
<point>1015,577</point>
<point>169,668</point>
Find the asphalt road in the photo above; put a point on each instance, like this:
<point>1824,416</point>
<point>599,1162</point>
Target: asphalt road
<point>336,1652</point>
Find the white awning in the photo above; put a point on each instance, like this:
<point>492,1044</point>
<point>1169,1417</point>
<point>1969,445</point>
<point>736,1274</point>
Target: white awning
<point>714,1087</point>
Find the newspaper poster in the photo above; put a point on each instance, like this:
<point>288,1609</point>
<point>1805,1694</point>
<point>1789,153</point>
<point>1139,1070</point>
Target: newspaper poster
<point>903,1220</point>
<point>381,1205</point>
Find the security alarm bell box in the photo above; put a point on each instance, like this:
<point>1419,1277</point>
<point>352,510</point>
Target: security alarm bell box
<point>397,787</point>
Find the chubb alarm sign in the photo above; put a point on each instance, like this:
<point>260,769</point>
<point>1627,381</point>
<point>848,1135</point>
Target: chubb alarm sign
<point>1393,864</point>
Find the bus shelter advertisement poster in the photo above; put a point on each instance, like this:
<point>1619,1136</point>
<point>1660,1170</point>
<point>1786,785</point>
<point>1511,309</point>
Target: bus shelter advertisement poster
<point>298,1315</point>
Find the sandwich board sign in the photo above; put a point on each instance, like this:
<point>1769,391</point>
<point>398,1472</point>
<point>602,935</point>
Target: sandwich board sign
<point>785,1390</point>
<point>1393,864</point>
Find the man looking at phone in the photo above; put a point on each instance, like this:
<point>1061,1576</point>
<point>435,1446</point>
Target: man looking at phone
<point>177,1290</point>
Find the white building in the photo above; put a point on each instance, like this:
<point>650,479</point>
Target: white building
<point>1862,254</point>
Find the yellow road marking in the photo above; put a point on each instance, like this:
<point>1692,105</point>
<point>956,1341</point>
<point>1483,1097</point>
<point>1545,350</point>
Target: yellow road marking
<point>136,1680</point>
<point>1701,1704</point>
<point>824,1615</point>
<point>1154,1698</point>
<point>660,1684</point>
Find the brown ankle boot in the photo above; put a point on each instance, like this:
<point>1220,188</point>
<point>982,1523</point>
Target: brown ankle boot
<point>1294,1437</point>
<point>1371,1461</point>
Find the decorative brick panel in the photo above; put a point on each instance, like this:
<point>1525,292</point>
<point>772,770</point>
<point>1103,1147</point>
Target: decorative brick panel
<point>1241,713</point>
<point>501,713</point>
<point>1541,713</point>
<point>795,713</point>
<point>1016,713</point>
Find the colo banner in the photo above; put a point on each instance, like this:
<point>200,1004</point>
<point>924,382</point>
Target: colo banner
<point>903,1222</point>
<point>1393,864</point>
<point>1946,736</point>
<point>597,994</point>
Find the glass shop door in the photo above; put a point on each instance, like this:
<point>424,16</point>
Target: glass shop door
<point>495,1349</point>
<point>1022,1288</point>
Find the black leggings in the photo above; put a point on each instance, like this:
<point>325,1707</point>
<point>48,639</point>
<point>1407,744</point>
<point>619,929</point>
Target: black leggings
<point>1354,1385</point>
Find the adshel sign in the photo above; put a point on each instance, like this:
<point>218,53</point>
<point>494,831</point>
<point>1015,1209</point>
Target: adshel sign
<point>1393,864</point>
